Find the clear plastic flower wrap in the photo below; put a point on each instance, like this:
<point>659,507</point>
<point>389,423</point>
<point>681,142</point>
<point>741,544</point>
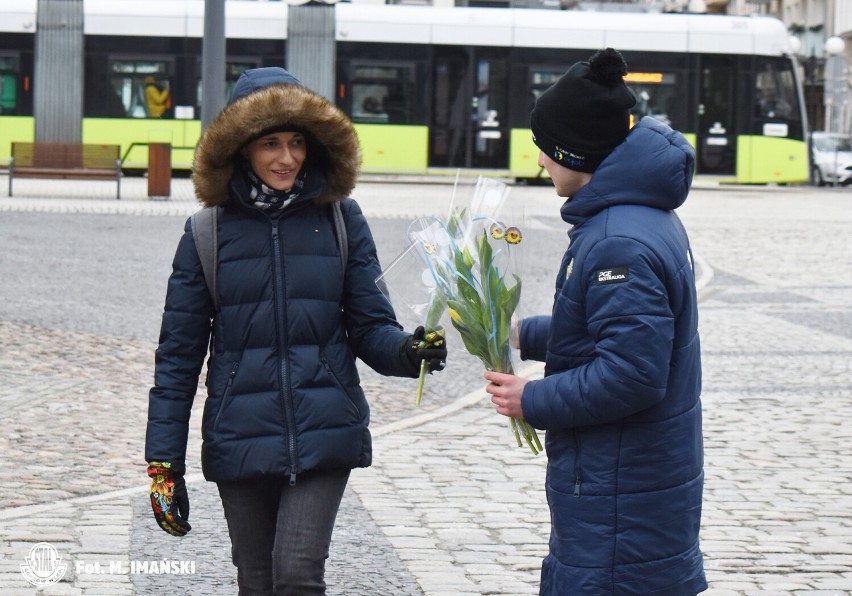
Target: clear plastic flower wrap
<point>465,265</point>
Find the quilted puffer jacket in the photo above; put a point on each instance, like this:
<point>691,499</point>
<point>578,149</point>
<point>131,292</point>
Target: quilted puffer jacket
<point>283,390</point>
<point>620,396</point>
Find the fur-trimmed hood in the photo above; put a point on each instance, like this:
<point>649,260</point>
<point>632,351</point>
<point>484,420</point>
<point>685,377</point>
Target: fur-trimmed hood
<point>268,98</point>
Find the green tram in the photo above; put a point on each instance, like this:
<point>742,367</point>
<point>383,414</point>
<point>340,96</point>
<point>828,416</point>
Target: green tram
<point>431,90</point>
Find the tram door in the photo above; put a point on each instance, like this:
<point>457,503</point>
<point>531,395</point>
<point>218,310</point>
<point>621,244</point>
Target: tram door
<point>717,138</point>
<point>469,125</point>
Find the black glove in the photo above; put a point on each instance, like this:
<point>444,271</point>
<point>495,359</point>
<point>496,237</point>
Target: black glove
<point>431,347</point>
<point>169,498</point>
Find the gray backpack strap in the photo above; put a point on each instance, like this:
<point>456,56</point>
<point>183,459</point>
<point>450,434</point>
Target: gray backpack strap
<point>205,230</point>
<point>342,238</point>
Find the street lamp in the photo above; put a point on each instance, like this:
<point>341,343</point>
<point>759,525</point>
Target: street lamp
<point>835,45</point>
<point>795,45</point>
<point>836,98</point>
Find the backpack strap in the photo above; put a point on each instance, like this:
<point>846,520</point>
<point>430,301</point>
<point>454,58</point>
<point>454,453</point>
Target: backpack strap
<point>205,230</point>
<point>342,238</point>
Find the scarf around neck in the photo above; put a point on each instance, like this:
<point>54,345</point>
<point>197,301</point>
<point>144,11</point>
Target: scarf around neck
<point>247,187</point>
<point>268,199</point>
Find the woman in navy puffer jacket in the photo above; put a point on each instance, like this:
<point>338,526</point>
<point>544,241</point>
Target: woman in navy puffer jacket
<point>620,397</point>
<point>285,418</point>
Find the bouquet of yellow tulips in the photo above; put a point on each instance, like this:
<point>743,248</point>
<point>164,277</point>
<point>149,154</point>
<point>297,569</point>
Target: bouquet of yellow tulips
<point>468,262</point>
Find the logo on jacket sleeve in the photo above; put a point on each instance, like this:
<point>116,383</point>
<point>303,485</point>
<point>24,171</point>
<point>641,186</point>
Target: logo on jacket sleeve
<point>612,276</point>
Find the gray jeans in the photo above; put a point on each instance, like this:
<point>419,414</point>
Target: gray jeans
<point>280,534</point>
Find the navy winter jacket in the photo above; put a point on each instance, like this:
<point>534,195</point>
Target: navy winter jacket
<point>283,391</point>
<point>620,396</point>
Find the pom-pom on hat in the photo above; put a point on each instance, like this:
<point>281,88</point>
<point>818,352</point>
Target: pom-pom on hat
<point>582,117</point>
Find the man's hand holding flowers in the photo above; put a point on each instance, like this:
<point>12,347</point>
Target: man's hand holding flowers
<point>506,393</point>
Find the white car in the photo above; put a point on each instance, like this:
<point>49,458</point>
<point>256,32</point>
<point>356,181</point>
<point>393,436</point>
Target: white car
<point>831,156</point>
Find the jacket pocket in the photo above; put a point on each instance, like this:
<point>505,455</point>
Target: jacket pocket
<point>339,383</point>
<point>226,394</point>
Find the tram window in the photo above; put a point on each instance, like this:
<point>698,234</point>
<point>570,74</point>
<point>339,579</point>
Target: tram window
<point>775,90</point>
<point>233,71</point>
<point>540,81</point>
<point>655,93</point>
<point>142,87</point>
<point>8,86</point>
<point>382,94</point>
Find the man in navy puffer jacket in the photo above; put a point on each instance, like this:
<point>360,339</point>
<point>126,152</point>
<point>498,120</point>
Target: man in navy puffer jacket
<point>620,396</point>
<point>285,419</point>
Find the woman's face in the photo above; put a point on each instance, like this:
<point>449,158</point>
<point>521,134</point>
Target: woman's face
<point>277,158</point>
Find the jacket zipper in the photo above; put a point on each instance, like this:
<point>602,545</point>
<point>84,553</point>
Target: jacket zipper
<point>226,394</point>
<point>577,478</point>
<point>289,408</point>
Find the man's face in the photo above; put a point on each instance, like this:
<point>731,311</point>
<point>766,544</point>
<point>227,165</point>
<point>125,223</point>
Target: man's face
<point>566,181</point>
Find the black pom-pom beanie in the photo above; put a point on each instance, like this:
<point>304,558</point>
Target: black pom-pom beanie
<point>582,117</point>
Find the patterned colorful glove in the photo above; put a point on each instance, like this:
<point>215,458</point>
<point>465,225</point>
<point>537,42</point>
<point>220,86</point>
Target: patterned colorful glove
<point>169,498</point>
<point>431,347</point>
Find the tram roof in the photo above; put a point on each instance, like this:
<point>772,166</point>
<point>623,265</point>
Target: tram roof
<point>183,18</point>
<point>158,18</point>
<point>498,27</point>
<point>18,17</point>
<point>562,29</point>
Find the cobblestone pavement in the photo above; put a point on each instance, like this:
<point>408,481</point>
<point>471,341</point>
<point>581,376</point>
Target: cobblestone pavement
<point>449,507</point>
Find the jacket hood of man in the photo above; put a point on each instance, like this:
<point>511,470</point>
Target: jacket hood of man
<point>268,99</point>
<point>652,167</point>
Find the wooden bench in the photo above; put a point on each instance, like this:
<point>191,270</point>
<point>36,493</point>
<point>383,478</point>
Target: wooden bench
<point>66,161</point>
